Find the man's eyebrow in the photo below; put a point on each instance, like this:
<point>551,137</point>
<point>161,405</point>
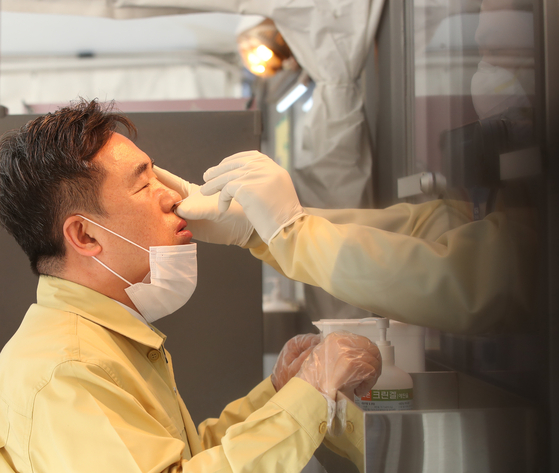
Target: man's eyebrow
<point>140,169</point>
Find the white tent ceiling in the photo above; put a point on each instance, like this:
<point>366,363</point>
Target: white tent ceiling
<point>50,34</point>
<point>52,58</point>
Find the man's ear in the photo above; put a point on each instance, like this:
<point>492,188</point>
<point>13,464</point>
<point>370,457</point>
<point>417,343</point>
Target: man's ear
<point>76,235</point>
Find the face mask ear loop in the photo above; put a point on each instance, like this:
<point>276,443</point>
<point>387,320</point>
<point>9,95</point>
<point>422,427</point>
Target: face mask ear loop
<point>116,274</point>
<point>116,234</point>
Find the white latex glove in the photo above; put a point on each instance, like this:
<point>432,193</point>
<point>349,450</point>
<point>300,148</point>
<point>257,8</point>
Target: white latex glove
<point>204,219</point>
<point>343,362</point>
<point>291,357</point>
<point>263,188</point>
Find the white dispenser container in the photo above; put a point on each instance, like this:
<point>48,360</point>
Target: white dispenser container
<point>393,390</point>
<point>408,341</point>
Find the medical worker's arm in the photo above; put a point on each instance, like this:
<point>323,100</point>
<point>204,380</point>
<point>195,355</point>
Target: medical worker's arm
<point>415,264</point>
<point>426,264</point>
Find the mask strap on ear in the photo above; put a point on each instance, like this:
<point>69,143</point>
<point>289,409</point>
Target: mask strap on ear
<point>114,233</point>
<point>116,274</point>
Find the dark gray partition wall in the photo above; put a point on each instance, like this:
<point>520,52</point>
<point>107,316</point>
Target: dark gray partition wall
<point>216,339</point>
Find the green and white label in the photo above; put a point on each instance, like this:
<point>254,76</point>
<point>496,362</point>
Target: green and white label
<point>386,400</point>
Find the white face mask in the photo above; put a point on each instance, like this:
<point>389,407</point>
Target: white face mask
<point>169,284</point>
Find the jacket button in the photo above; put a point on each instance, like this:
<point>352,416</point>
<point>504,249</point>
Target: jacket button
<point>322,428</point>
<point>154,355</point>
<point>349,427</point>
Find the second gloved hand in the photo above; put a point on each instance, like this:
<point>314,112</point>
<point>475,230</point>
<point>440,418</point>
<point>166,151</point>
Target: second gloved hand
<point>342,362</point>
<point>263,188</point>
<point>204,219</point>
<point>291,357</point>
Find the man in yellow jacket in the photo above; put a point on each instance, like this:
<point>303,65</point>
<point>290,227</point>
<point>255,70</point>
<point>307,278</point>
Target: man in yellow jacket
<point>86,384</point>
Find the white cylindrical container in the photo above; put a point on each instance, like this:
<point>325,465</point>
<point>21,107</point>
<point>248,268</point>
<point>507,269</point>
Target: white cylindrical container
<point>393,390</point>
<point>408,340</point>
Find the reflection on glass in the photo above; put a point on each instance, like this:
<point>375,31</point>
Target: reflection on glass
<point>474,101</point>
<point>474,69</point>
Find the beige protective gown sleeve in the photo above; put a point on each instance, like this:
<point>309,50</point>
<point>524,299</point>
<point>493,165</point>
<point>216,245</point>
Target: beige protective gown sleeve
<point>426,264</point>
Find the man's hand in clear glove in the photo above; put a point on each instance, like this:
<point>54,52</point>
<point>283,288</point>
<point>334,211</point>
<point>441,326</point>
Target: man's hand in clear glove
<point>292,355</point>
<point>342,362</point>
<point>204,219</point>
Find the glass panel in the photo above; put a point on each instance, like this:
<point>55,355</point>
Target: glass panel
<point>474,108</point>
<point>474,86</point>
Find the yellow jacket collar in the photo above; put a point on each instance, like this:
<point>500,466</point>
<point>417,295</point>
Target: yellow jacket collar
<point>68,296</point>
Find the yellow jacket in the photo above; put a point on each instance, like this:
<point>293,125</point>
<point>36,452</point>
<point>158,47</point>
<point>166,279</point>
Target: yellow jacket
<point>86,387</point>
<point>427,264</point>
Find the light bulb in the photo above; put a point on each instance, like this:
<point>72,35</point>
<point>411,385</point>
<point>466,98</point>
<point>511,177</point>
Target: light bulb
<point>264,53</point>
<point>258,69</point>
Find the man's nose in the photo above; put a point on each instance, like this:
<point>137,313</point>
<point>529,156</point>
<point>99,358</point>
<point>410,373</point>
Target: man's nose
<point>169,198</point>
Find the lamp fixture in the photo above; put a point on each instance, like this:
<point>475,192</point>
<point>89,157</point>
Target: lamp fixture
<point>263,49</point>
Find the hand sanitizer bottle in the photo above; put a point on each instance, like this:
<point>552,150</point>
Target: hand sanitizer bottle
<point>393,390</point>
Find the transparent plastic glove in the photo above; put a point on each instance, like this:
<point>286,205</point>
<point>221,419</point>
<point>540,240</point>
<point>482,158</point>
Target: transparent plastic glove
<point>263,188</point>
<point>291,357</point>
<point>342,362</point>
<point>204,219</point>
